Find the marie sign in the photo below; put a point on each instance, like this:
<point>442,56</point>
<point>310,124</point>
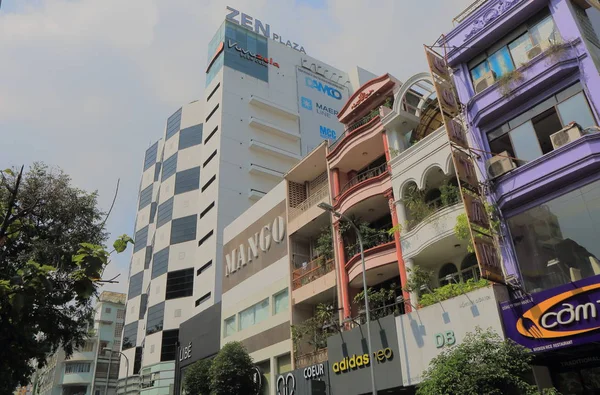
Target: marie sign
<point>559,317</point>
<point>259,243</point>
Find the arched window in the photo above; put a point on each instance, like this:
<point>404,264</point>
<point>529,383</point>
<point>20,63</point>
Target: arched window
<point>469,268</point>
<point>433,198</point>
<point>446,273</point>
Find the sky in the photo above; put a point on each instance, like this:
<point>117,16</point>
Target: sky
<point>87,85</point>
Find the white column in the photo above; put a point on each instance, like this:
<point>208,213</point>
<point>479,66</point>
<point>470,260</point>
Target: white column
<point>273,374</point>
<point>401,213</point>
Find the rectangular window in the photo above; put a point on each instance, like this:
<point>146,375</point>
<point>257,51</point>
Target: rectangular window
<point>121,314</point>
<point>520,49</point>
<point>173,124</point>
<point>557,242</point>
<point>168,350</point>
<point>180,284</point>
<point>165,213</point>
<point>254,314</point>
<point>206,162</point>
<point>77,367</point>
<point>206,237</point>
<point>187,180</point>
<point>150,157</point>
<point>280,302</point>
<point>108,310</point>
<point>160,263</point>
<point>143,305</point>
<point>137,361</point>
<point>213,91</point>
<point>203,268</point>
<point>206,210</point>
<point>576,109</point>
<point>169,167</point>
<point>229,326</point>
<point>212,179</point>
<point>212,112</point>
<point>135,285</point>
<point>156,315</point>
<point>153,207</point>
<point>202,299</point>
<point>211,134</point>
<point>118,329</point>
<point>184,229</point>
<point>145,197</point>
<point>130,335</point>
<point>141,239</point>
<point>148,257</point>
<point>157,171</point>
<point>190,137</point>
<point>501,62</point>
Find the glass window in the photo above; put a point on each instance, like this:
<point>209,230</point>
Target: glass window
<point>280,302</point>
<point>519,49</point>
<point>168,348</point>
<point>501,63</point>
<point>469,268</point>
<point>156,316</point>
<point>254,314</point>
<point>576,109</point>
<point>229,326</point>
<point>480,70</point>
<point>544,33</point>
<point>130,335</point>
<point>180,284</point>
<point>447,270</point>
<point>545,125</point>
<point>183,229</point>
<point>501,145</point>
<point>78,367</point>
<point>557,242</point>
<point>525,143</point>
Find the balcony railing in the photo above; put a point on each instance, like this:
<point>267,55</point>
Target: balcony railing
<point>311,271</point>
<point>312,200</point>
<point>365,175</point>
<point>363,121</point>
<point>468,11</point>
<point>381,237</point>
<point>319,356</point>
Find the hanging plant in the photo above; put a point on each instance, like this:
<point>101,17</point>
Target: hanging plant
<point>509,81</point>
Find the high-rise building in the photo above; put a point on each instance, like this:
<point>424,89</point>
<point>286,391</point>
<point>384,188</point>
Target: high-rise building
<point>266,105</point>
<point>92,369</point>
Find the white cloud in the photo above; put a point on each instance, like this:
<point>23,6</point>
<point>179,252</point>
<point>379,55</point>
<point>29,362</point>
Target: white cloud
<point>87,85</point>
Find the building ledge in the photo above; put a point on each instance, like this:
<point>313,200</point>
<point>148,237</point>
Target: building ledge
<point>273,107</point>
<point>255,195</point>
<point>272,150</point>
<point>549,173</point>
<point>273,129</point>
<point>264,171</point>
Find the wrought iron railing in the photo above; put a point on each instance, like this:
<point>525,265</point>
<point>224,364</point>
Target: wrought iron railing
<point>316,197</point>
<point>311,271</point>
<point>468,11</point>
<point>313,358</point>
<point>363,121</point>
<point>381,237</point>
<point>363,176</point>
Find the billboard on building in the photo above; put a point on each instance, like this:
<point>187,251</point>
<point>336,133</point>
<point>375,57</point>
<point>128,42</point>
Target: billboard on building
<point>319,102</point>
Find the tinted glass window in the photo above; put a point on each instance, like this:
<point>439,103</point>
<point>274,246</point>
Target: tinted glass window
<point>135,285</point>
<point>130,335</point>
<point>169,167</point>
<point>183,229</point>
<point>141,239</point>
<point>137,362</point>
<point>145,197</point>
<point>152,212</point>
<point>190,137</point>
<point>143,305</point>
<point>150,157</point>
<point>165,213</point>
<point>156,316</point>
<point>160,263</point>
<point>187,180</point>
<point>157,171</point>
<point>148,257</point>
<point>173,124</point>
<point>168,350</point>
<point>180,284</point>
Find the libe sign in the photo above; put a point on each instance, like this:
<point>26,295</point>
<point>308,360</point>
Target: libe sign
<point>255,25</point>
<point>259,243</point>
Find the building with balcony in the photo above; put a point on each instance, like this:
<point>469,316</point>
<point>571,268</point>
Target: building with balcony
<point>526,72</point>
<point>91,370</point>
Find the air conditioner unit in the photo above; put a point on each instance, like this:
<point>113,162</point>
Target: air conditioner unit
<point>484,81</point>
<point>533,52</point>
<point>499,165</point>
<point>569,133</point>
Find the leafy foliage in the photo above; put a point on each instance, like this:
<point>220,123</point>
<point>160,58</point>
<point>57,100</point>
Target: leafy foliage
<point>414,201</point>
<point>483,363</point>
<point>371,237</point>
<point>197,378</point>
<point>461,228</point>
<point>417,278</point>
<point>381,302</point>
<point>311,332</point>
<point>52,259</point>
<point>450,194</point>
<point>231,371</point>
<point>451,290</point>
<point>509,81</point>
<point>324,246</point>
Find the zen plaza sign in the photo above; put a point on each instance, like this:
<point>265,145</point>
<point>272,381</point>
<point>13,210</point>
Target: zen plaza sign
<point>259,242</point>
<point>255,25</point>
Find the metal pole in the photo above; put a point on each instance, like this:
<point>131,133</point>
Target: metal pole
<point>364,276</point>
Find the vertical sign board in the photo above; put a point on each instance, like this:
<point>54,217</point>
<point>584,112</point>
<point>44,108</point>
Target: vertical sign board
<point>319,103</point>
<point>485,250</point>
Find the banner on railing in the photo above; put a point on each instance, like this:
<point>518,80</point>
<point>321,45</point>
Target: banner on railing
<point>487,254</point>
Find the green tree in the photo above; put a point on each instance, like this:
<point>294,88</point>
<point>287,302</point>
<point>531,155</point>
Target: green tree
<point>483,363</point>
<point>197,378</point>
<point>232,371</point>
<point>51,263</point>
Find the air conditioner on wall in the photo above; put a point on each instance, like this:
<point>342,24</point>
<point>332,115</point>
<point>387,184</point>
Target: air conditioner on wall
<point>500,164</point>
<point>534,51</point>
<point>569,133</point>
<point>487,79</point>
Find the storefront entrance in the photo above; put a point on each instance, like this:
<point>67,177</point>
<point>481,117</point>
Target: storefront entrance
<point>576,371</point>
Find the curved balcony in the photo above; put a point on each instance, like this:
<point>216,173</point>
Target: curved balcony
<point>380,263</point>
<point>364,186</point>
<point>436,228</point>
<point>361,137</point>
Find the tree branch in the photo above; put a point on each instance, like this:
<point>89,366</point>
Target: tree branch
<point>112,205</point>
<point>13,198</point>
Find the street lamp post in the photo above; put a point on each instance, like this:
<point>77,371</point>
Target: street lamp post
<point>328,207</point>
<point>126,366</point>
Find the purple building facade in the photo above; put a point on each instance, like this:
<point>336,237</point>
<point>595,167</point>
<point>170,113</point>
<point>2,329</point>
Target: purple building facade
<point>527,73</point>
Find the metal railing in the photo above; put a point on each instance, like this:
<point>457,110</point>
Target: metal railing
<point>365,175</point>
<point>380,238</point>
<point>312,200</point>
<point>363,121</point>
<point>468,11</point>
<point>313,358</point>
<point>313,270</point>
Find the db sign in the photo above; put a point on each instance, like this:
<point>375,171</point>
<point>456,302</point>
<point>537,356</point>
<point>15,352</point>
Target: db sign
<point>445,339</point>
